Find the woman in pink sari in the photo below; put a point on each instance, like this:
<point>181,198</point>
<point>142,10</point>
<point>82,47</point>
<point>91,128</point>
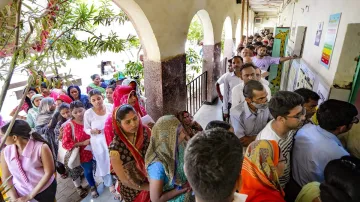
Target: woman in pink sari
<point>122,95</point>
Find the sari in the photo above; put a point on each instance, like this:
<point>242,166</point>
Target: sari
<point>132,156</point>
<point>165,149</point>
<point>121,96</point>
<point>260,180</point>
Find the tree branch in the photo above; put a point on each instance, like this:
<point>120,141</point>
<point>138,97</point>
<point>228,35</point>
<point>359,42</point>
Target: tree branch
<point>3,140</point>
<point>15,56</point>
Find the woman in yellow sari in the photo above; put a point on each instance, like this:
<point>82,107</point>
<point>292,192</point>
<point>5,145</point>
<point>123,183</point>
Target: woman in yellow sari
<point>164,162</point>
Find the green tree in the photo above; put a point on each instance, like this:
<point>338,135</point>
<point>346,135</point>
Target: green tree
<point>42,38</point>
<point>196,32</point>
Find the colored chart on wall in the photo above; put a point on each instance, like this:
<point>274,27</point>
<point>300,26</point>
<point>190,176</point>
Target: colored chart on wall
<point>330,39</point>
<point>281,37</point>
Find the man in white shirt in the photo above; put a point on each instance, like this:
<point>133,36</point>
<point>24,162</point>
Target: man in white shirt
<point>214,183</point>
<point>230,82</point>
<point>289,115</point>
<point>220,82</point>
<point>248,73</point>
<point>251,116</point>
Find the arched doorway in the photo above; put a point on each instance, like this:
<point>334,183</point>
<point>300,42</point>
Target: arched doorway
<point>227,43</point>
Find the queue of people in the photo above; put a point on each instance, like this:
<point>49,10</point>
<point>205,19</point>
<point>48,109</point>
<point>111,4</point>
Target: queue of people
<point>267,148</point>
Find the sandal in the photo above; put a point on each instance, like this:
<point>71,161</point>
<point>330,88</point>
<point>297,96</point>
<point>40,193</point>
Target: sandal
<point>94,193</point>
<point>81,191</point>
<point>112,189</point>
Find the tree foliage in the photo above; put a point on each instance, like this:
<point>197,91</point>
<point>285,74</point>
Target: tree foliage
<point>196,32</point>
<point>48,35</point>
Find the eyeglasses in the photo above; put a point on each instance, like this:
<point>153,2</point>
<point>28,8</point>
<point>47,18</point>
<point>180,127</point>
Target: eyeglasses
<point>298,116</point>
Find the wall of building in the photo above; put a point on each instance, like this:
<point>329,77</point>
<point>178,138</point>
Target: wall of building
<point>268,21</point>
<point>297,13</point>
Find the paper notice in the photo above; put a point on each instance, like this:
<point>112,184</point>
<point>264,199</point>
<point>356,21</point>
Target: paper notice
<point>146,120</point>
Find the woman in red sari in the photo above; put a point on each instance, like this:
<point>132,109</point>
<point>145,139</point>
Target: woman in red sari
<point>127,152</point>
<point>122,95</point>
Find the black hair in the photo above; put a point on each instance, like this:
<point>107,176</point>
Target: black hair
<point>102,67</point>
<point>284,101</point>
<point>213,159</point>
<point>76,104</point>
<point>94,92</point>
<point>259,44</point>
<point>43,85</point>
<point>63,105</point>
<point>112,87</point>
<point>334,113</point>
<point>123,111</point>
<point>250,86</point>
<point>342,177</point>
<point>112,82</point>
<point>94,76</point>
<point>22,129</point>
<point>307,94</point>
<point>218,124</point>
<point>247,65</point>
<point>237,56</point>
<point>252,48</point>
<point>28,100</point>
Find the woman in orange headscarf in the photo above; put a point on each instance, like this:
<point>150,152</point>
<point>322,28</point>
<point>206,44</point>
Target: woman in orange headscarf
<point>127,153</point>
<point>263,165</point>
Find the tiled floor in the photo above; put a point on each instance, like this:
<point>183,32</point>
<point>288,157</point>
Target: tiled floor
<point>208,113</point>
<point>66,191</point>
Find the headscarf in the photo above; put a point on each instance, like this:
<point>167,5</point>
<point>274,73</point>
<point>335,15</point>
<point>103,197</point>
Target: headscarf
<point>190,129</point>
<point>135,150</point>
<point>309,192</point>
<point>120,97</point>
<point>64,98</point>
<point>127,82</point>
<point>45,113</point>
<point>260,180</point>
<point>163,145</point>
<point>32,101</point>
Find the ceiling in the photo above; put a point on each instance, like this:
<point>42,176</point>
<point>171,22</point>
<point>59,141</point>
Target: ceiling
<point>266,6</point>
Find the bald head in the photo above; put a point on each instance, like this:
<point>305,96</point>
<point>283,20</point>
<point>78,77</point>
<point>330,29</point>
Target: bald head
<point>247,60</point>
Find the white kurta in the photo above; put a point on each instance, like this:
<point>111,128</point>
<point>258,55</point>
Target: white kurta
<point>98,143</point>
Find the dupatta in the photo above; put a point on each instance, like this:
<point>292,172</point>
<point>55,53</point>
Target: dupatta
<point>260,180</point>
<point>99,88</point>
<point>135,149</point>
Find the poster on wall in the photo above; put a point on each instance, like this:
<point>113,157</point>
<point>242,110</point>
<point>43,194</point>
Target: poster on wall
<point>319,33</point>
<point>281,37</point>
<point>330,39</point>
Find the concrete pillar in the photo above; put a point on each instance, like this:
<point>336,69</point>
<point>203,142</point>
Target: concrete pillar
<point>165,86</point>
<point>212,65</point>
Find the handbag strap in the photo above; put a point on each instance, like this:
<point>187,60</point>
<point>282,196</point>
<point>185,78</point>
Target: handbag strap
<point>72,130</point>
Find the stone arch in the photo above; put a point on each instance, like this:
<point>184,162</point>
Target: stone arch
<point>143,28</point>
<point>207,27</point>
<point>238,33</point>
<point>228,40</point>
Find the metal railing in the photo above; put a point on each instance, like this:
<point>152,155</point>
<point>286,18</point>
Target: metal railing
<point>196,93</point>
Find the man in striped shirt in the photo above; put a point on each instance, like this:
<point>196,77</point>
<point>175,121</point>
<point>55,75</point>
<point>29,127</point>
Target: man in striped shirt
<point>289,115</point>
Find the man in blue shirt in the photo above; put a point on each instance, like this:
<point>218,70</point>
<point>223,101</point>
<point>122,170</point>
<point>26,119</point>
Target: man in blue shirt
<point>315,146</point>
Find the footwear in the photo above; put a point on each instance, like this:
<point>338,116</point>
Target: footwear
<point>64,176</point>
<point>112,189</point>
<point>94,193</point>
<point>81,191</point>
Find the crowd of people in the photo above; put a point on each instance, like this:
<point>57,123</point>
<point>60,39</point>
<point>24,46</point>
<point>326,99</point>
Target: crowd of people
<point>267,148</point>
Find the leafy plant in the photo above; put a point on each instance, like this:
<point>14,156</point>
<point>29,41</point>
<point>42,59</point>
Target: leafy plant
<point>42,38</point>
<point>193,64</point>
<point>196,32</point>
<point>135,70</point>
